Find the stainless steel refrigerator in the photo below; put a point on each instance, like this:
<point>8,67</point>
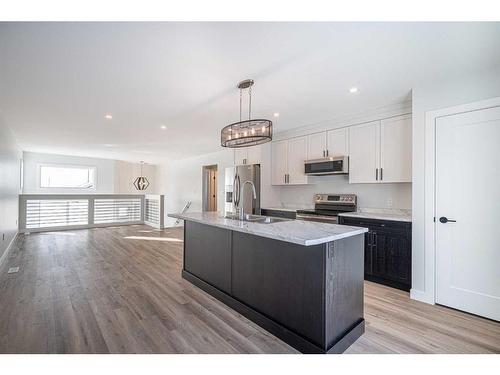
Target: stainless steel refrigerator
<point>234,178</point>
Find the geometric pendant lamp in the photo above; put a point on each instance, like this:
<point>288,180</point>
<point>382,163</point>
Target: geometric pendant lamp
<point>141,182</point>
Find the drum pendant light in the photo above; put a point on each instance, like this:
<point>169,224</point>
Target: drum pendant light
<point>141,182</point>
<point>245,133</point>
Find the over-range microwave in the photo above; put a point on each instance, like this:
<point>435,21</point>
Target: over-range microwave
<point>327,166</point>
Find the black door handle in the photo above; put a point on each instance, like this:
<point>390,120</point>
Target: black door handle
<point>444,220</point>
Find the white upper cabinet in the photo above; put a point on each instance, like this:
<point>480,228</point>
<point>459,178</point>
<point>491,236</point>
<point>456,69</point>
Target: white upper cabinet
<point>279,151</point>
<point>330,143</point>
<point>247,155</point>
<point>338,142</point>
<point>316,146</point>
<point>380,151</point>
<point>395,149</point>
<point>297,155</point>
<point>364,152</point>
<point>287,162</point>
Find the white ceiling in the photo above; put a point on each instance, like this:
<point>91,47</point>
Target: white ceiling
<point>58,80</point>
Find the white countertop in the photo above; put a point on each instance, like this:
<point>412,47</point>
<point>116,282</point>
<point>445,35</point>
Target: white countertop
<point>304,233</point>
<point>380,214</point>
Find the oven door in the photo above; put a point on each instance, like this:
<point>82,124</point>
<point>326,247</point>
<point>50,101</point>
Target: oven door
<point>317,218</point>
<point>327,166</point>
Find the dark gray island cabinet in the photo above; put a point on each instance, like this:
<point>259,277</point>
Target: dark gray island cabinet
<point>301,281</point>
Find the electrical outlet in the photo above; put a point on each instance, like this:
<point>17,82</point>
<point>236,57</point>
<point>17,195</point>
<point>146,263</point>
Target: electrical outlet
<point>389,203</point>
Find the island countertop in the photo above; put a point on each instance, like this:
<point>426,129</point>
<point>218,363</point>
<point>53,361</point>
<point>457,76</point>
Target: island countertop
<point>306,233</point>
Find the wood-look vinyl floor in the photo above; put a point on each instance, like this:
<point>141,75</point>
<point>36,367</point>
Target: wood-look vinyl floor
<point>119,290</point>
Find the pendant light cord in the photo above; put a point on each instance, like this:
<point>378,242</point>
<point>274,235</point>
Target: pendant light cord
<point>249,103</point>
<point>241,101</point>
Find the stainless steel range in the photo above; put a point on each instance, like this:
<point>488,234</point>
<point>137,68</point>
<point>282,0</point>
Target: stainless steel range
<point>327,207</point>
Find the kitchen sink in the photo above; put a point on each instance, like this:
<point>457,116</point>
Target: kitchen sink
<point>256,218</point>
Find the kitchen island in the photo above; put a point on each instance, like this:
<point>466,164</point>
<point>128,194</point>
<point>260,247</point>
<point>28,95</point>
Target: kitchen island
<point>301,281</point>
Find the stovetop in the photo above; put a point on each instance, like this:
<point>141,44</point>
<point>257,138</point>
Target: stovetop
<point>331,204</point>
<point>321,212</point>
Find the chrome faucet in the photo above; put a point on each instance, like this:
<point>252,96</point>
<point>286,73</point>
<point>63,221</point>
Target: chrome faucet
<point>242,191</point>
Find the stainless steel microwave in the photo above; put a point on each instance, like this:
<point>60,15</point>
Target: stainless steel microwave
<point>327,166</point>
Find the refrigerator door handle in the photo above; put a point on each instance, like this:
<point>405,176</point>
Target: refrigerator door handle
<point>236,191</point>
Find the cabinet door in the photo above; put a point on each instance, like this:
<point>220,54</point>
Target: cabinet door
<point>338,142</point>
<point>297,155</point>
<point>395,149</point>
<point>316,146</point>
<point>240,156</point>
<point>392,257</point>
<point>364,153</point>
<point>253,155</point>
<point>278,162</point>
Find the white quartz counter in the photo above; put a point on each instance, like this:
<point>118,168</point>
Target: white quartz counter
<point>305,233</point>
<point>380,214</point>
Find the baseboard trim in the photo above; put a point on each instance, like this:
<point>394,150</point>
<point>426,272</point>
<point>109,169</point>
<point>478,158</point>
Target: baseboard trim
<point>7,250</point>
<point>420,295</point>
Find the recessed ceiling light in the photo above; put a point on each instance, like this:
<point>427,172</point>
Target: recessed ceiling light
<point>108,116</point>
<point>353,90</point>
<point>108,145</point>
<point>163,127</point>
<point>276,114</point>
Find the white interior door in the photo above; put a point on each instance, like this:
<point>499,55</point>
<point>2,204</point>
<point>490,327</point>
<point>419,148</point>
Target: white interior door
<point>338,142</point>
<point>316,146</point>
<point>467,190</point>
<point>395,149</point>
<point>364,153</point>
<point>278,162</point>
<point>297,155</point>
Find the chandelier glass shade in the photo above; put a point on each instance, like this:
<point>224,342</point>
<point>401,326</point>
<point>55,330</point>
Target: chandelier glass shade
<point>246,133</point>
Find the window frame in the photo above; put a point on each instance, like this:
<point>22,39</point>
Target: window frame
<point>63,165</point>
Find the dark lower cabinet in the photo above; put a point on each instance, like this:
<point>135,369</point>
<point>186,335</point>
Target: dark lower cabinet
<point>310,297</point>
<point>387,251</point>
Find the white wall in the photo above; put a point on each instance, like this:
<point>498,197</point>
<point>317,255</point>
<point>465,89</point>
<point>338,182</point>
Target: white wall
<point>10,157</point>
<point>181,181</point>
<point>438,95</point>
<point>369,195</point>
<point>113,176</point>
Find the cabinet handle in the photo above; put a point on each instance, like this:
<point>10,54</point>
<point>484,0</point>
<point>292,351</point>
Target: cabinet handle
<point>326,152</point>
<point>381,174</point>
<point>285,178</point>
<point>376,174</point>
<point>323,153</point>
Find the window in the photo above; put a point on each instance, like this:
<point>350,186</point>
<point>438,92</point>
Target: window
<point>67,177</point>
